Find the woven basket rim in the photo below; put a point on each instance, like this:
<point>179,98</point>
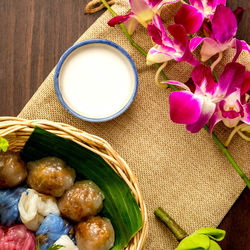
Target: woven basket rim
<point>17,130</point>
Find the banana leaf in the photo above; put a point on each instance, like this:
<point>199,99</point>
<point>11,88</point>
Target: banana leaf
<point>120,205</point>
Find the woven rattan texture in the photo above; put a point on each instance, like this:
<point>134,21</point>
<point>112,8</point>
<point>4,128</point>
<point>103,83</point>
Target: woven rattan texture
<point>184,173</point>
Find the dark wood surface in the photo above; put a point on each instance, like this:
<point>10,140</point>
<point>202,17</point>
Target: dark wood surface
<point>35,33</point>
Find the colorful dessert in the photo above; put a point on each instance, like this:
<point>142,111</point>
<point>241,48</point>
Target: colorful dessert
<point>52,194</point>
<point>50,176</point>
<point>12,170</point>
<point>84,199</point>
<point>66,242</point>
<point>95,234</point>
<point>33,207</point>
<point>51,229</point>
<point>16,237</point>
<point>9,213</point>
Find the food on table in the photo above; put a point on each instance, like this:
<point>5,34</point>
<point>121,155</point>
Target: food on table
<point>9,199</point>
<point>84,199</point>
<point>12,169</point>
<point>66,242</point>
<point>40,212</point>
<point>16,237</point>
<point>95,234</point>
<point>51,229</point>
<point>33,207</point>
<point>51,176</point>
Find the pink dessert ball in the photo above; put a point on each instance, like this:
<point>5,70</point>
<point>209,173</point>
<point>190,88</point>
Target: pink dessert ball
<point>16,237</point>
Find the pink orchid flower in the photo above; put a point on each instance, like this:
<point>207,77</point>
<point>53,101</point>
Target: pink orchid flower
<point>167,49</point>
<point>198,104</point>
<point>142,11</point>
<point>207,7</point>
<point>192,16</point>
<point>224,28</point>
<point>234,107</point>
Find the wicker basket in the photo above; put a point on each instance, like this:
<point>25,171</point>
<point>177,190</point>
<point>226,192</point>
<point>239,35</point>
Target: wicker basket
<point>17,131</point>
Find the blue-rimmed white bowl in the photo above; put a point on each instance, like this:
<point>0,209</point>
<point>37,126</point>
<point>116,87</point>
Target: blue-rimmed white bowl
<point>85,67</point>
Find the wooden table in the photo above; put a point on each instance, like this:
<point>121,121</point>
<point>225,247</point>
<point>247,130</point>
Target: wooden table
<point>35,33</point>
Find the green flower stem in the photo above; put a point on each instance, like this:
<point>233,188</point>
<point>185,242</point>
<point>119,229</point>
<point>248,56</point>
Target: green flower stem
<point>215,76</point>
<point>178,232</point>
<point>229,157</point>
<point>215,138</point>
<point>214,72</point>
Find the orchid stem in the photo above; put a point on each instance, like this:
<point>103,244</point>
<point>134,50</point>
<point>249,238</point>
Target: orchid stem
<point>214,72</point>
<point>215,138</point>
<point>157,83</point>
<point>229,157</point>
<point>178,232</point>
<point>134,44</point>
<point>237,129</point>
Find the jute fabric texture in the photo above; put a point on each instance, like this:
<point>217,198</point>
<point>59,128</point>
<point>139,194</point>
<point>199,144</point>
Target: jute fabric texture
<point>184,173</point>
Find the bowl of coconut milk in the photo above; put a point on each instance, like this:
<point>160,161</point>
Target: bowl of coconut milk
<point>96,80</point>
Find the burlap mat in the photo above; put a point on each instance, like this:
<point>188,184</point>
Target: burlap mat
<point>184,173</point>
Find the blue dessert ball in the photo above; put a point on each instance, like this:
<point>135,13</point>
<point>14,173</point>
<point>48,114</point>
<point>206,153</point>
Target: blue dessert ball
<point>51,229</point>
<point>9,199</point>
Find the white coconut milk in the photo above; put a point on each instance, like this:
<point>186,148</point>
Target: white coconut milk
<point>96,80</point>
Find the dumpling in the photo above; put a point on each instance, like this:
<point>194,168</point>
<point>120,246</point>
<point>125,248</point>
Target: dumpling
<point>66,242</point>
<point>12,169</point>
<point>84,199</point>
<point>33,207</point>
<point>17,237</point>
<point>9,199</point>
<point>51,176</point>
<point>51,229</point>
<point>95,234</point>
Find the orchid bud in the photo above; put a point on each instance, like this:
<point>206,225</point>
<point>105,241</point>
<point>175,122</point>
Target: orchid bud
<point>207,28</point>
<point>238,12</point>
<point>190,84</point>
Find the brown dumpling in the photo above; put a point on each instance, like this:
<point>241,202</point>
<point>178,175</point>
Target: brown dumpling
<point>95,234</point>
<point>84,199</point>
<point>12,169</point>
<point>50,176</point>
